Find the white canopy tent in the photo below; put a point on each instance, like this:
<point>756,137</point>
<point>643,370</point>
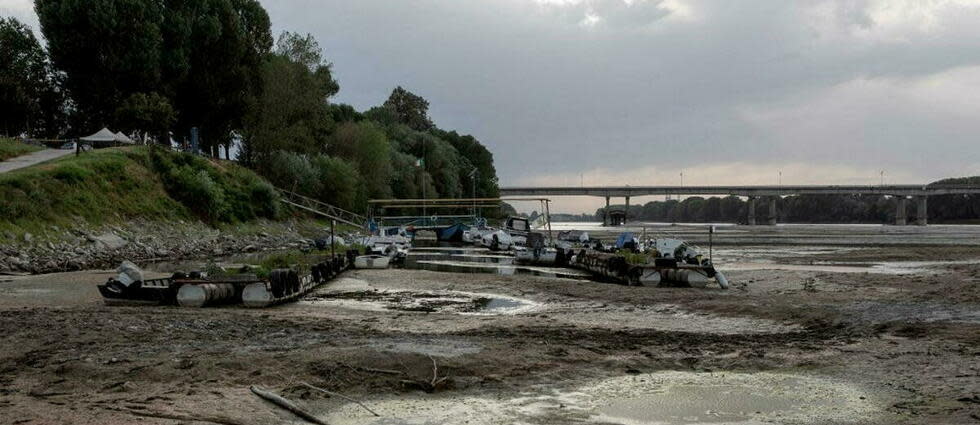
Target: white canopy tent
<point>106,136</point>
<point>122,138</point>
<point>102,136</point>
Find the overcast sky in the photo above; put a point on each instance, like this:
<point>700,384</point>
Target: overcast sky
<point>566,92</point>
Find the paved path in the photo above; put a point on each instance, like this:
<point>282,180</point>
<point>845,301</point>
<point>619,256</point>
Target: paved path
<point>33,159</point>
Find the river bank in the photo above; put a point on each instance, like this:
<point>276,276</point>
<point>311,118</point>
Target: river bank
<point>794,345</point>
<point>62,250</point>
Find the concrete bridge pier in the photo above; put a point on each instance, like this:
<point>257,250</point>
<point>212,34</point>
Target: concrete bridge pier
<point>626,216</point>
<point>605,213</point>
<point>773,216</point>
<point>751,207</point>
<point>922,210</point>
<point>901,216</point>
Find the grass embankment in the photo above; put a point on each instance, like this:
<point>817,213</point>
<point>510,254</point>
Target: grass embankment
<point>10,148</point>
<point>114,185</point>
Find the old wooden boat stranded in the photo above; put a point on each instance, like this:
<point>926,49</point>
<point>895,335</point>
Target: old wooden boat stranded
<point>656,272</point>
<point>196,289</point>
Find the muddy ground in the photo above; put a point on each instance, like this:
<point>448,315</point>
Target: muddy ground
<point>882,341</point>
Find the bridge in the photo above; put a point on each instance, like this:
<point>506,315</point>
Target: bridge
<point>767,194</point>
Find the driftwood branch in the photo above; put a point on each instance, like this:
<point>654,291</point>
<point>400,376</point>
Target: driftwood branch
<point>428,385</point>
<point>373,370</point>
<point>435,372</point>
<point>341,396</point>
<point>220,420</point>
<point>286,404</point>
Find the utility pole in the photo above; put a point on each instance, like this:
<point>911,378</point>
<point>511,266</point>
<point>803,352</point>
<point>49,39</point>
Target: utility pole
<point>882,175</point>
<point>779,178</point>
<point>333,238</point>
<point>682,179</point>
<point>473,178</point>
<point>711,243</point>
<point>422,185</point>
<point>547,217</point>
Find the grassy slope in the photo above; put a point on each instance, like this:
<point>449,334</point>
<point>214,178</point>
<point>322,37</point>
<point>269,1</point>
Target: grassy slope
<point>10,148</point>
<point>112,185</point>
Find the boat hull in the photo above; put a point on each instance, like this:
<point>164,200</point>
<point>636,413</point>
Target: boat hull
<point>372,262</point>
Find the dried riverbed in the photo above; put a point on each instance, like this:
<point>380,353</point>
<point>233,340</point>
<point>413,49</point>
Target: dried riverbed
<point>792,345</point>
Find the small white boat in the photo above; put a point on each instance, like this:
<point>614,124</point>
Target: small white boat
<point>498,241</point>
<point>474,235</point>
<point>544,256</point>
<point>372,262</point>
<point>390,245</point>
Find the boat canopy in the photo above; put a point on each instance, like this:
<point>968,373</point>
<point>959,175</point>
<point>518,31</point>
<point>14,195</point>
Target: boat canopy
<point>104,135</point>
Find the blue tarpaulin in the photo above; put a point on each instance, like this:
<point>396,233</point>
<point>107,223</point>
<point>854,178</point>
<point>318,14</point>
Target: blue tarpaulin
<point>453,233</point>
<point>624,239</point>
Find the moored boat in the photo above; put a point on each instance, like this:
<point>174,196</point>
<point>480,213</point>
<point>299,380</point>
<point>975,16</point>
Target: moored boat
<point>541,256</point>
<point>372,262</point>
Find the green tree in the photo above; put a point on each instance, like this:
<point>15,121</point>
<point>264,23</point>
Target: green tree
<point>219,46</point>
<point>203,56</point>
<point>409,109</point>
<point>150,114</point>
<point>366,147</point>
<point>405,178</point>
<point>30,100</point>
<point>341,113</point>
<point>293,172</point>
<point>477,156</point>
<point>291,113</point>
<point>108,50</point>
<point>344,185</point>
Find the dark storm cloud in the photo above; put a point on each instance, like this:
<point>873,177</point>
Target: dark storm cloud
<point>560,87</point>
<point>635,91</point>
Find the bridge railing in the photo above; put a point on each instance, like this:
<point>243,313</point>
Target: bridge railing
<point>759,190</point>
<point>321,208</point>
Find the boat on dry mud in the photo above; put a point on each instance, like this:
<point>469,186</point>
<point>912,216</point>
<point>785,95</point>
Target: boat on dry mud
<point>197,289</point>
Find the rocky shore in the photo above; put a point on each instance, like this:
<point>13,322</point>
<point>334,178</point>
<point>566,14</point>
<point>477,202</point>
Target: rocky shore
<point>61,250</point>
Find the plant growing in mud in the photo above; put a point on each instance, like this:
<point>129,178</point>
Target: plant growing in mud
<point>214,270</point>
<point>294,259</point>
<point>633,258</point>
<point>810,284</point>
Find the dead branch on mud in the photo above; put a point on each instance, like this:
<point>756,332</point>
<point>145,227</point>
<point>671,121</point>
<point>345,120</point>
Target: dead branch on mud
<point>373,370</point>
<point>221,420</point>
<point>285,404</point>
<point>432,385</point>
<point>341,396</point>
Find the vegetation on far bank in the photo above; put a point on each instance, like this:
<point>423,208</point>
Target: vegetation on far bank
<point>113,185</point>
<point>808,208</point>
<point>213,68</point>
<point>11,148</point>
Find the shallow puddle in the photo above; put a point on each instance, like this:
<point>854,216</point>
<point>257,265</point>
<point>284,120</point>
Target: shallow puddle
<point>422,301</point>
<point>413,258</point>
<point>692,404</point>
<point>889,267</point>
<point>665,317</point>
<point>660,398</point>
<point>458,250</point>
<point>926,312</point>
<point>827,268</point>
<point>18,292</point>
<point>490,305</point>
<point>743,253</point>
<point>501,269</point>
<point>436,347</point>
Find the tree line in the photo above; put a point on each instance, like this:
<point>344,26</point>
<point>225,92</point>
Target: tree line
<point>160,68</point>
<point>803,209</point>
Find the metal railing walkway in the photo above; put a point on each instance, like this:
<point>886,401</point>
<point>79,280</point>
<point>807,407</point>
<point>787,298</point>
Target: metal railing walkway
<point>322,209</point>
